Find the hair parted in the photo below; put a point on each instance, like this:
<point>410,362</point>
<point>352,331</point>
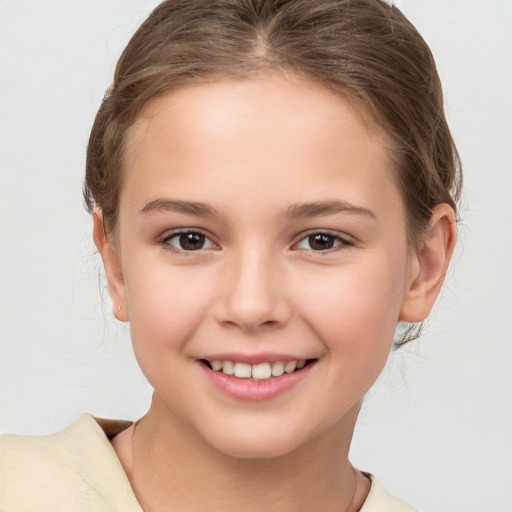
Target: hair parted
<point>364,50</point>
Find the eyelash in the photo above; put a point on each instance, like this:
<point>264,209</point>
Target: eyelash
<point>339,242</point>
<point>166,241</point>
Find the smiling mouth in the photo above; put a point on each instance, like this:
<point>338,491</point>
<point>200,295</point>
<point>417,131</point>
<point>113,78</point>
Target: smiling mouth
<point>260,371</point>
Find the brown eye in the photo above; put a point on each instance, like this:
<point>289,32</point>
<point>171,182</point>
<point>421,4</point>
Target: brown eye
<point>322,242</point>
<point>189,241</point>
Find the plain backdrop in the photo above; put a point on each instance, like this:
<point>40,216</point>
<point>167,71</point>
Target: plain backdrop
<point>437,427</point>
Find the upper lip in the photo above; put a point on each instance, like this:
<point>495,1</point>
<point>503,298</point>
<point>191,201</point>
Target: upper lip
<point>261,357</point>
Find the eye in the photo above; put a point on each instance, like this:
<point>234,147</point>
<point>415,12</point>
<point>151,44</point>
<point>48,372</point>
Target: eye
<point>189,241</point>
<point>321,241</point>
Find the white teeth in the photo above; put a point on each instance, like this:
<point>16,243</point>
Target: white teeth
<point>243,370</point>
<point>277,369</point>
<point>228,368</point>
<point>290,366</point>
<point>261,371</point>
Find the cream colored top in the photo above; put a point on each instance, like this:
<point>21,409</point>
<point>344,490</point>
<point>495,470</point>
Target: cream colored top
<point>78,470</point>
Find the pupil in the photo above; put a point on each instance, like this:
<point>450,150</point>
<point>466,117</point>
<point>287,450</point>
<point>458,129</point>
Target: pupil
<point>191,241</point>
<point>321,241</point>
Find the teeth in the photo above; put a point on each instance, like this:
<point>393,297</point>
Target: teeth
<point>290,366</point>
<point>228,368</point>
<point>261,371</point>
<point>216,365</point>
<point>242,370</point>
<point>277,369</point>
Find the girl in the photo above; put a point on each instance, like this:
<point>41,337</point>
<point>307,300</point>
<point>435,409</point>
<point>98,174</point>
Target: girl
<point>273,188</point>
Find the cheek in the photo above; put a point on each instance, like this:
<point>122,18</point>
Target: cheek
<point>355,315</point>
<point>165,308</point>
<point>355,309</point>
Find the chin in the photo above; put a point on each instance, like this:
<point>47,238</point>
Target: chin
<point>255,450</point>
<point>247,444</point>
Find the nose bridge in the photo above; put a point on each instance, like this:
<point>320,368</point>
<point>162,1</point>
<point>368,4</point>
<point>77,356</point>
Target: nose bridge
<point>253,289</point>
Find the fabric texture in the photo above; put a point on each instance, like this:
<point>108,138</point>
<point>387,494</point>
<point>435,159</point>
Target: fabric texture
<point>77,470</point>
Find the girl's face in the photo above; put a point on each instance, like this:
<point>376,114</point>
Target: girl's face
<point>260,225</point>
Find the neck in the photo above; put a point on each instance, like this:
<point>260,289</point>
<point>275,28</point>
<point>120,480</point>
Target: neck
<point>171,467</point>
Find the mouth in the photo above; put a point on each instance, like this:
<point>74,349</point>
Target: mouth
<point>257,372</point>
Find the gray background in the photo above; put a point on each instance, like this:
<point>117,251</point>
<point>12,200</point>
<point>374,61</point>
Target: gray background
<point>437,427</point>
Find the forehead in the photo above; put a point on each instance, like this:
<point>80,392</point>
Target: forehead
<point>276,132</point>
<point>285,95</point>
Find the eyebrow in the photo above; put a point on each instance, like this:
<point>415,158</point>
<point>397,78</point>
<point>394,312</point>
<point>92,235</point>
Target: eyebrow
<point>299,210</point>
<point>319,208</point>
<point>184,207</point>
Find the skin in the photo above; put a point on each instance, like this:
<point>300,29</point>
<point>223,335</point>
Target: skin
<point>251,151</point>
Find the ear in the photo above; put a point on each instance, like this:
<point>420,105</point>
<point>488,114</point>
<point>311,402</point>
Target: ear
<point>429,264</point>
<point>113,267</point>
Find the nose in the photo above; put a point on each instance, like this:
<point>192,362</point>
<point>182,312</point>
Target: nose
<point>252,292</point>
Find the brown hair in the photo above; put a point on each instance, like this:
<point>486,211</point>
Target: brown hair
<point>365,50</point>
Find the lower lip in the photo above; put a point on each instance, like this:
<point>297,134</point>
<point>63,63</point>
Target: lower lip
<point>255,390</point>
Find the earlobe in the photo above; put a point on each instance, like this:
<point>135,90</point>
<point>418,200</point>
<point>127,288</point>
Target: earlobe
<point>429,265</point>
<point>113,267</point>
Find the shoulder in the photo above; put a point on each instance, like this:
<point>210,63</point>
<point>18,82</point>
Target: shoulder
<point>75,469</point>
<point>380,500</point>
